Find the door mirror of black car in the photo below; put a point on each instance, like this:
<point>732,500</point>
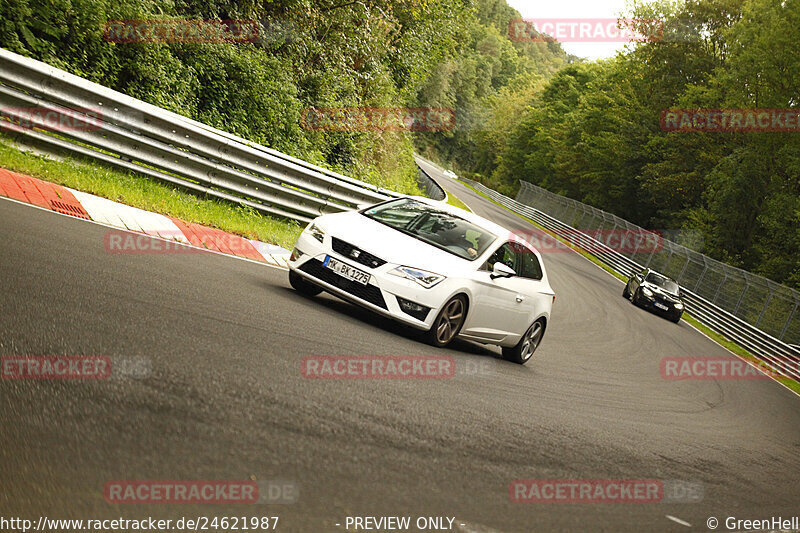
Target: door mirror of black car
<point>501,270</point>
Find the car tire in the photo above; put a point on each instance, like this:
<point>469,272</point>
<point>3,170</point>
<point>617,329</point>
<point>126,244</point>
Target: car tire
<point>302,286</point>
<point>448,322</point>
<point>625,292</point>
<point>523,351</point>
<point>677,318</point>
<point>635,298</point>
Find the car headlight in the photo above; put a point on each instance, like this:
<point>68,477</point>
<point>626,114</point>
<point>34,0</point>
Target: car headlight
<point>316,232</point>
<point>678,305</point>
<point>647,292</point>
<point>423,277</point>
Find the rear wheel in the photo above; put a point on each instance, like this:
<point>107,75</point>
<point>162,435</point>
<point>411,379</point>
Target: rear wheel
<point>625,292</point>
<point>448,322</point>
<point>302,286</point>
<point>523,351</point>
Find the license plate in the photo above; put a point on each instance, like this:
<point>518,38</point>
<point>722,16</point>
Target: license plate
<point>346,271</point>
<point>661,306</point>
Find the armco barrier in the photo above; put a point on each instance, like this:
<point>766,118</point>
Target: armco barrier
<point>781,356</point>
<point>134,135</point>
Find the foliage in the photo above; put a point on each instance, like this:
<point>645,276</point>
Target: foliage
<point>592,131</point>
<point>320,53</point>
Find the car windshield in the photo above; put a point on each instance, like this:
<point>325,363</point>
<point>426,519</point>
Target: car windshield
<point>438,228</point>
<point>663,282</point>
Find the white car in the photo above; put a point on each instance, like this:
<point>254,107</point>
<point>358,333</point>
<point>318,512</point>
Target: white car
<point>432,266</point>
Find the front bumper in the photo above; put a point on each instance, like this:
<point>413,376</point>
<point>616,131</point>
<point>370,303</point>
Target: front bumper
<point>660,305</point>
<point>379,295</point>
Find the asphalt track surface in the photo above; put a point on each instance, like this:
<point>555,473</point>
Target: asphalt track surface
<point>226,399</point>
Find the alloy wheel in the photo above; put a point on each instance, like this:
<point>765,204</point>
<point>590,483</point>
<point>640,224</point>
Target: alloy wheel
<point>450,321</point>
<point>531,340</point>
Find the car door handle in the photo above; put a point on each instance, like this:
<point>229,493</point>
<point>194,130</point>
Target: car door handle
<point>520,298</point>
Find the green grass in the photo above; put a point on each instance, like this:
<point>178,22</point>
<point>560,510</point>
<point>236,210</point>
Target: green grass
<point>453,200</point>
<point>716,337</point>
<point>145,193</point>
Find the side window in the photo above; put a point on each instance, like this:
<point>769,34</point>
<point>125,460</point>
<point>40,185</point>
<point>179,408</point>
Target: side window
<point>502,254</point>
<point>527,264</point>
<point>521,259</point>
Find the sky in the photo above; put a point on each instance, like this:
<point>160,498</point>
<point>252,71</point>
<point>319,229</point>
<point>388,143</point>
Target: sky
<point>576,9</point>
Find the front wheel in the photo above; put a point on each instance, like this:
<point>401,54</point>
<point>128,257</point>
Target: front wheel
<point>636,298</point>
<point>448,322</point>
<point>523,351</point>
<point>302,286</point>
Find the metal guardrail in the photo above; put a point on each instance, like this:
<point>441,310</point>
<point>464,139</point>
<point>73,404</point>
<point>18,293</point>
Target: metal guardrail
<point>784,358</point>
<point>134,135</point>
<point>769,306</point>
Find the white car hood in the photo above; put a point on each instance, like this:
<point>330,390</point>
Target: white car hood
<point>391,245</point>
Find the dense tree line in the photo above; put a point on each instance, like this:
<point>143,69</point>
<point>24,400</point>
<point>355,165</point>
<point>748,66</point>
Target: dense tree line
<point>320,53</point>
<point>592,132</point>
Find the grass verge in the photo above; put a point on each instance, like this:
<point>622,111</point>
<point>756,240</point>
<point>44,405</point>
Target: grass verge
<point>716,337</point>
<point>150,195</point>
<point>453,200</point>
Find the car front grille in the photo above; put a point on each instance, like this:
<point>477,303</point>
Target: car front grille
<point>664,300</point>
<point>356,254</point>
<point>368,293</point>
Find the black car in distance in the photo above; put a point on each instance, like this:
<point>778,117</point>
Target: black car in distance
<point>655,292</point>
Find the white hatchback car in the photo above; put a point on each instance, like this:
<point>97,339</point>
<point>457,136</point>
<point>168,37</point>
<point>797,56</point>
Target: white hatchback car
<point>432,266</point>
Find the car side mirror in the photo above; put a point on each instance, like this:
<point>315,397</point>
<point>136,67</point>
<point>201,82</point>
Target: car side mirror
<point>502,270</point>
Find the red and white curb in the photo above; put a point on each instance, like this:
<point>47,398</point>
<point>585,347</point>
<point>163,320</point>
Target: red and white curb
<point>90,207</point>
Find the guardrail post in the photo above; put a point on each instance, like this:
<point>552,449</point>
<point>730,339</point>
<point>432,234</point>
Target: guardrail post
<point>719,288</point>
<point>763,309</point>
<point>741,297</point>
<point>653,251</point>
<point>786,326</point>
<point>702,275</point>
<point>685,265</point>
